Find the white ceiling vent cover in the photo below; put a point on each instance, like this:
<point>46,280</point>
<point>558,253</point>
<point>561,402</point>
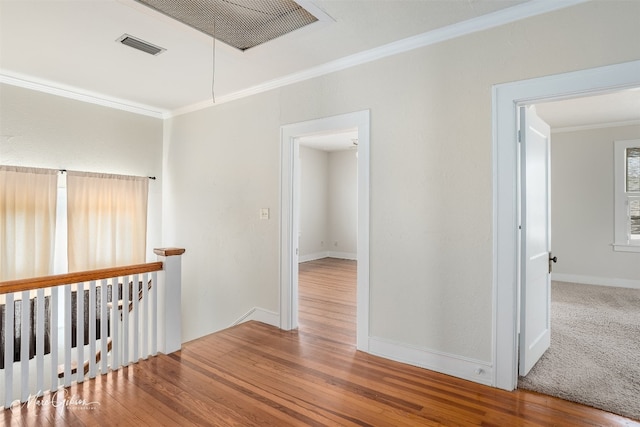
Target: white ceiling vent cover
<point>140,44</point>
<point>242,24</point>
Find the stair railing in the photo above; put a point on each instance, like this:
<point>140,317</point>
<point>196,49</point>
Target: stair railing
<point>78,325</point>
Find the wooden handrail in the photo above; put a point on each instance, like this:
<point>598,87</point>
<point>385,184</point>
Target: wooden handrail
<point>168,251</point>
<point>80,276</point>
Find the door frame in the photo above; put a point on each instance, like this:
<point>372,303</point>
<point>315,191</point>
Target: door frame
<point>289,208</point>
<point>506,98</point>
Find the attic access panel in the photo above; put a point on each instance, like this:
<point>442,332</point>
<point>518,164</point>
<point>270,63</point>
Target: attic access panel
<point>242,24</point>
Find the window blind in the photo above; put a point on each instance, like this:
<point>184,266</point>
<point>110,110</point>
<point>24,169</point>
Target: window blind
<point>633,169</point>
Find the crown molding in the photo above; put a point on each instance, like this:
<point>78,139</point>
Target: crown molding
<point>505,16</point>
<point>28,82</point>
<point>595,126</point>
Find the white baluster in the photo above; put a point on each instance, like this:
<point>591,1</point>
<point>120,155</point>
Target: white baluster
<point>9,322</point>
<point>25,335</point>
<point>80,333</point>
<point>135,332</point>
<point>103,327</point>
<point>67,335</point>
<point>40,298</point>
<point>54,336</point>
<point>154,313</point>
<point>92,329</point>
<point>116,290</point>
<point>145,315</point>
<point>125,321</point>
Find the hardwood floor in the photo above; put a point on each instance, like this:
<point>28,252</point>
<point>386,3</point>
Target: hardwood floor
<point>257,375</point>
<point>327,300</point>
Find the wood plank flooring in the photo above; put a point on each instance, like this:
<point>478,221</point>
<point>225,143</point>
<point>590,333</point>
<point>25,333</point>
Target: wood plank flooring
<point>257,375</point>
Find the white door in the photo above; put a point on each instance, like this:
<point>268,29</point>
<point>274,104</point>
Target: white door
<point>535,296</point>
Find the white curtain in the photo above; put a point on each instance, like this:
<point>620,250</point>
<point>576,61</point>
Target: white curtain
<point>106,219</point>
<point>27,221</point>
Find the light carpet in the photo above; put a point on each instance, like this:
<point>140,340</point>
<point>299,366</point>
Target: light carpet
<point>594,358</point>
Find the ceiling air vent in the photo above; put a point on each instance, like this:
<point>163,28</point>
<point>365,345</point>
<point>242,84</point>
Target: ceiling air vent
<point>242,24</point>
<point>139,44</point>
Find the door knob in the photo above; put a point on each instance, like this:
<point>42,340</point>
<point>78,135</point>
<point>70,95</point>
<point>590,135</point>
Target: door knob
<point>554,259</point>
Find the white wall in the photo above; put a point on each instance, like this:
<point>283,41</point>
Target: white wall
<point>328,204</point>
<point>431,256</point>
<point>582,208</point>
<point>343,204</point>
<point>314,202</point>
<point>48,131</point>
<point>221,169</point>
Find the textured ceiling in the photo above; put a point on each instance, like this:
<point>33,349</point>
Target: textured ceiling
<point>70,44</point>
<point>609,108</point>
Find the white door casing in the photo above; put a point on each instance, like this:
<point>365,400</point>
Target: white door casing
<point>289,237</point>
<point>506,98</point>
<point>535,296</point>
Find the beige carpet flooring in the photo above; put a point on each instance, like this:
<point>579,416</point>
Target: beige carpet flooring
<point>594,358</point>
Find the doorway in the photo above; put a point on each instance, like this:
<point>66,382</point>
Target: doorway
<point>580,167</point>
<point>589,331</point>
<point>290,220</point>
<point>327,235</point>
<point>505,154</point>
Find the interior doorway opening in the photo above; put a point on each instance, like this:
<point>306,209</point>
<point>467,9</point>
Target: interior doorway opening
<point>506,234</point>
<point>290,215</point>
<point>580,164</point>
<point>327,235</point>
<point>589,285</point>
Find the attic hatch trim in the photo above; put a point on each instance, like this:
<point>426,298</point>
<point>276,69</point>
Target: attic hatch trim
<point>141,45</point>
<point>242,24</point>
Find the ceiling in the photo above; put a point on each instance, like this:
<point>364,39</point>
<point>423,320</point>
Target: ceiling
<point>590,111</point>
<point>70,47</point>
<point>336,141</point>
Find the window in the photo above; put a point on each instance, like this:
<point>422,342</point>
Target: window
<point>627,195</point>
<point>27,221</point>
<point>106,220</point>
<point>92,221</point>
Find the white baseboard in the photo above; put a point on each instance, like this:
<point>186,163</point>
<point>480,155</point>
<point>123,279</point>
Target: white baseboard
<point>594,280</point>
<point>344,255</point>
<point>313,257</point>
<point>260,315</point>
<point>328,254</point>
<point>449,364</point>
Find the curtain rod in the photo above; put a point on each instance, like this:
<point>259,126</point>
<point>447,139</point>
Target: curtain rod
<point>64,171</point>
